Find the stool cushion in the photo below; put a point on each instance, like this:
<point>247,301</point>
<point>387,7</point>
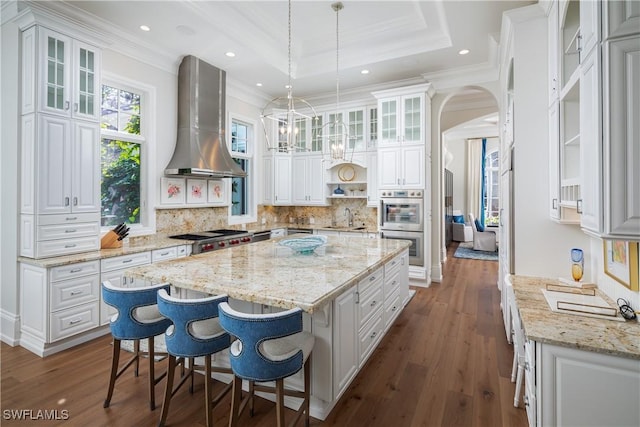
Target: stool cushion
<point>147,314</point>
<point>206,329</point>
<point>282,348</point>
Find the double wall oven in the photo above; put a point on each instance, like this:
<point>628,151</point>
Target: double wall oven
<point>402,217</point>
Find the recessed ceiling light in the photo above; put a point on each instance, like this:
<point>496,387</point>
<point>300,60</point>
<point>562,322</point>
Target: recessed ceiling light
<point>364,72</point>
<point>230,54</point>
<point>463,52</point>
<point>145,28</point>
<point>259,84</point>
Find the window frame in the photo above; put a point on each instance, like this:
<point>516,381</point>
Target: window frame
<point>250,156</point>
<point>148,187</point>
<point>488,193</point>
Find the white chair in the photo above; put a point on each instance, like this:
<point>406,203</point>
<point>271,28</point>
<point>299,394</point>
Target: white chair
<point>482,240</point>
<point>462,232</point>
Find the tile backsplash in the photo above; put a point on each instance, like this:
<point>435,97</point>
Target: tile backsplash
<point>172,221</point>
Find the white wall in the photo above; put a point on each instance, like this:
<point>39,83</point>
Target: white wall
<point>541,245</point>
<point>9,144</point>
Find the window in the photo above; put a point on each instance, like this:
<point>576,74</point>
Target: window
<point>242,209</point>
<point>492,188</point>
<point>124,157</point>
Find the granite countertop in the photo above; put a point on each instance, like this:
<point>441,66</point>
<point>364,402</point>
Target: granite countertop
<point>571,330</point>
<point>355,229</point>
<point>268,273</point>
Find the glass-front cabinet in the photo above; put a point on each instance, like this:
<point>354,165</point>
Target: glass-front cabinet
<point>401,120</point>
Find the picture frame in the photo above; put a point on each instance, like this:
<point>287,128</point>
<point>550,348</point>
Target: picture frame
<point>217,192</point>
<point>621,262</point>
<point>196,191</point>
<point>172,191</point>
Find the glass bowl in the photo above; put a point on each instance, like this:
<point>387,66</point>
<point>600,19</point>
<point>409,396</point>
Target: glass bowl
<point>304,245</point>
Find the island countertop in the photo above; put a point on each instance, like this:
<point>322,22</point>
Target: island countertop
<point>268,273</point>
<point>569,330</point>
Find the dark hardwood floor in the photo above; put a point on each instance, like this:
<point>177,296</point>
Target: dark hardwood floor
<point>445,362</point>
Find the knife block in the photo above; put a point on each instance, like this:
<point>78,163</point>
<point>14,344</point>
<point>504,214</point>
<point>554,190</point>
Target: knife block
<point>110,241</point>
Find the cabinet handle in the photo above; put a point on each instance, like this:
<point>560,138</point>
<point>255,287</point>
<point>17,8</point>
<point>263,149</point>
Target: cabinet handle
<point>71,218</point>
<point>526,400</point>
<point>70,231</point>
<point>66,105</point>
<point>164,253</point>
<point>373,335</point>
<point>357,297</point>
<point>75,270</point>
<point>74,293</point>
<point>73,245</point>
<point>73,322</point>
<point>126,261</point>
<point>66,201</point>
<point>75,201</point>
<point>579,206</point>
<point>373,303</point>
<point>554,204</point>
<point>372,278</point>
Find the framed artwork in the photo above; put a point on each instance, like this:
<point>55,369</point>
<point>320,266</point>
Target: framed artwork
<point>216,193</point>
<point>196,191</point>
<point>172,191</point>
<point>621,262</point>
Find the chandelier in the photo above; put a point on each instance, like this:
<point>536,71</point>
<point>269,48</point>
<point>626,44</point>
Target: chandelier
<point>336,131</point>
<point>290,115</point>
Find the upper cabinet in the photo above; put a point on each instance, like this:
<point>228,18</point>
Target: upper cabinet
<point>401,120</point>
<point>63,76</point>
<point>597,143</point>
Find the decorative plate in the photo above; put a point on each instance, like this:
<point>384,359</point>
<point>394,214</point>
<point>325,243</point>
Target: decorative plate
<point>304,245</point>
<point>346,173</point>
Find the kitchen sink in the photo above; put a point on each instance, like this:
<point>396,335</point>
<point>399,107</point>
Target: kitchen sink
<point>358,228</point>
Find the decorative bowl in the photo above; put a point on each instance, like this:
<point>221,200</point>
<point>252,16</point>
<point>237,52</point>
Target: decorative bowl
<point>304,245</point>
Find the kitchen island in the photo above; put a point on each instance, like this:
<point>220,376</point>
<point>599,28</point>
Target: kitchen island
<point>351,291</point>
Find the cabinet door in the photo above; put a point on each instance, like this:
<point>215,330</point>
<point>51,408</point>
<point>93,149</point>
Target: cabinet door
<point>267,180</point>
<point>388,170</point>
<point>316,180</point>
<point>299,179</point>
<point>552,27</point>
<point>554,165</point>
<point>590,145</point>
<point>413,161</point>
<point>621,18</point>
<point>55,69</point>
<point>282,180</point>
<point>372,178</point>
<point>412,119</point>
<point>86,167</point>
<point>589,27</point>
<point>388,121</point>
<point>54,165</point>
<point>355,122</point>
<point>622,138</point>
<point>86,81</point>
<point>345,352</point>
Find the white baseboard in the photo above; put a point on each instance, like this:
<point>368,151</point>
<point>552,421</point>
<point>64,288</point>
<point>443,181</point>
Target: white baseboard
<point>9,328</point>
<point>42,349</point>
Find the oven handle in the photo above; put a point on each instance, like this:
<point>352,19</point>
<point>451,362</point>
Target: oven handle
<point>381,213</point>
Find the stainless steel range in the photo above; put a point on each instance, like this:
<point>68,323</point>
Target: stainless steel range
<point>206,241</point>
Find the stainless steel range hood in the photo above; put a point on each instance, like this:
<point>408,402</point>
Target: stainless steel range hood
<point>201,149</point>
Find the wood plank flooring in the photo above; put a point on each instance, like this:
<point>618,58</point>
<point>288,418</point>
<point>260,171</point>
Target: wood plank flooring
<point>445,362</point>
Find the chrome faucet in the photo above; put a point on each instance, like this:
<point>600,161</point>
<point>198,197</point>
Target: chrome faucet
<point>347,213</point>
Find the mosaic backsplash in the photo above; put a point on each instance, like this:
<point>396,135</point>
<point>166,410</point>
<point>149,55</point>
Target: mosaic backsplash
<point>173,221</point>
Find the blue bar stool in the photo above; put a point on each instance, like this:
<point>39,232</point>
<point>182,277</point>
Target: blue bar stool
<point>195,332</point>
<point>269,347</point>
<point>137,319</point>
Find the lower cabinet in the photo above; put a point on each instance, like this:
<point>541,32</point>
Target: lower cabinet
<point>570,387</point>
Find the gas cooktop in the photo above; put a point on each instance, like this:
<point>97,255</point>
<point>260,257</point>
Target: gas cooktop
<point>205,241</point>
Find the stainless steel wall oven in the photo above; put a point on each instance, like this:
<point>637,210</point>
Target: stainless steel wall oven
<point>402,217</point>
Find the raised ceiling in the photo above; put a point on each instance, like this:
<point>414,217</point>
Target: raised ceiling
<point>394,40</point>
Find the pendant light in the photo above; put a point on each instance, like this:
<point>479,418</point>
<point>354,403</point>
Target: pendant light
<point>336,131</point>
<point>291,115</point>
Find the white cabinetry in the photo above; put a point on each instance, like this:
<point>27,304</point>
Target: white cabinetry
<point>345,341</point>
<point>583,388</point>
<point>402,167</point>
<point>57,302</point>
<point>307,179</point>
<point>401,119</point>
<point>277,179</point>
<point>60,145</point>
<point>372,178</point>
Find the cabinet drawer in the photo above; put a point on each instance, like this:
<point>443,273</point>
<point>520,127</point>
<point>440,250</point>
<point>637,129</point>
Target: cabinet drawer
<point>370,280</point>
<point>392,306</point>
<point>391,283</point>
<point>69,293</point>
<point>71,321</point>
<point>371,302</point>
<point>60,247</point>
<point>71,271</point>
<point>370,336</point>
<point>183,250</point>
<point>69,218</point>
<point>125,261</point>
<point>164,254</point>
<point>393,266</point>
<point>66,231</point>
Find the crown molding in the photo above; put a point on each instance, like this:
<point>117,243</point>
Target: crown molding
<point>463,76</point>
